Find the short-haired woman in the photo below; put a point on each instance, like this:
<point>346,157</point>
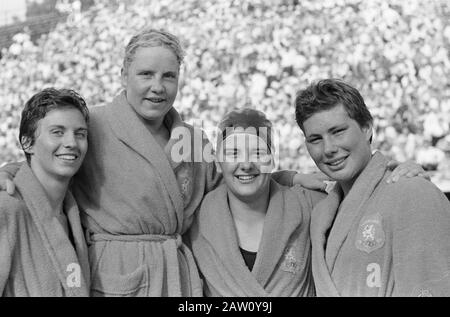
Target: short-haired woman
<point>42,247</point>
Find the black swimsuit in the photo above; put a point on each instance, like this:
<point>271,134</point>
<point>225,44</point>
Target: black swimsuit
<point>249,258</point>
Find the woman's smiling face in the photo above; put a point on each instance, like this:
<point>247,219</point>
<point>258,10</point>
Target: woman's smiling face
<point>60,144</point>
<point>339,146</point>
<point>151,82</point>
<point>245,165</point>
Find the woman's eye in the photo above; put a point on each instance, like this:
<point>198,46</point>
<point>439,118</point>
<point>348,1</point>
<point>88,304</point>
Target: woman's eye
<point>81,135</point>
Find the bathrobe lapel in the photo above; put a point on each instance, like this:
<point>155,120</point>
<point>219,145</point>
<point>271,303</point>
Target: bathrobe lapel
<point>77,231</point>
<point>282,219</point>
<point>221,233</point>
<point>325,251</point>
<point>321,221</point>
<point>59,248</point>
<point>130,130</point>
<point>353,205</point>
<point>217,227</point>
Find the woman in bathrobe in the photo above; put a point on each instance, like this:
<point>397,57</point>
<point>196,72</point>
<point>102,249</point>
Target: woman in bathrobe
<point>369,238</point>
<point>42,247</point>
<point>251,235</point>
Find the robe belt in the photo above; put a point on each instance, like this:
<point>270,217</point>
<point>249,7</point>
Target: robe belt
<point>173,273</point>
<point>96,237</point>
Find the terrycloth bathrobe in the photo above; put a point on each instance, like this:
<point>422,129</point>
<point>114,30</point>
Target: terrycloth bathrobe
<point>137,203</point>
<point>283,262</point>
<point>37,258</point>
<point>386,239</point>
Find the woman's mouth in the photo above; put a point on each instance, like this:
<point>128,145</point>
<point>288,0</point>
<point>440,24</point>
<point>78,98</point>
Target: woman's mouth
<point>156,100</point>
<point>246,178</point>
<point>67,157</point>
<point>336,164</point>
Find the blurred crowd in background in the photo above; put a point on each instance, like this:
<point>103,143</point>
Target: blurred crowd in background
<point>258,54</point>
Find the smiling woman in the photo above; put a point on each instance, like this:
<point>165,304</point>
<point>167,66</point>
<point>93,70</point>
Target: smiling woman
<point>244,159</point>
<point>53,135</point>
<point>369,237</point>
<point>60,145</point>
<point>41,240</point>
<point>338,145</point>
<point>137,200</point>
<point>152,83</point>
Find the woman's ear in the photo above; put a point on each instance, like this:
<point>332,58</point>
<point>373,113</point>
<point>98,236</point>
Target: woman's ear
<point>123,77</point>
<point>218,167</point>
<point>27,146</point>
<point>218,158</point>
<point>368,130</point>
<point>272,164</point>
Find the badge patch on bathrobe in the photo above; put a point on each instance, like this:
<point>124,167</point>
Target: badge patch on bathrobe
<point>290,263</point>
<point>184,175</point>
<point>370,236</point>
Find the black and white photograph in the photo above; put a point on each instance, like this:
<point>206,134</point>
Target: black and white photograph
<point>225,149</point>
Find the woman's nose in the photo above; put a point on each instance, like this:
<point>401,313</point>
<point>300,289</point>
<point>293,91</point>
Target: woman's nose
<point>329,147</point>
<point>246,165</point>
<point>70,140</point>
<point>156,85</point>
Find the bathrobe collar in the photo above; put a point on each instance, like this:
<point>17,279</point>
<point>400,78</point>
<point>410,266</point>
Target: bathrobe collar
<point>324,214</point>
<point>59,247</point>
<point>130,129</point>
<point>279,225</point>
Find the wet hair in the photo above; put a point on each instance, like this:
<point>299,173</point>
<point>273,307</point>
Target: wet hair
<point>246,120</point>
<point>152,38</point>
<point>327,94</point>
<point>37,107</point>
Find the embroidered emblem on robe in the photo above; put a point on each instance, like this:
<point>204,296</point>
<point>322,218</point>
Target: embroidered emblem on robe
<point>184,175</point>
<point>425,293</point>
<point>370,236</point>
<point>290,263</point>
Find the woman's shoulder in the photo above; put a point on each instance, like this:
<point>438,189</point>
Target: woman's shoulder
<point>214,195</point>
<point>97,113</point>
<point>312,196</point>
<point>413,199</point>
<point>99,125</point>
<point>411,187</point>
